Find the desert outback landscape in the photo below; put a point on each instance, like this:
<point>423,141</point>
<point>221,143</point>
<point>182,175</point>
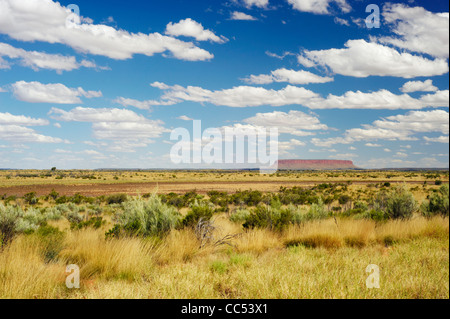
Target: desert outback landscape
<point>221,158</point>
<point>224,234</point>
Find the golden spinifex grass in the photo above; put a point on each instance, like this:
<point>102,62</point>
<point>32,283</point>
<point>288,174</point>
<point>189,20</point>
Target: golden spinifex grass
<point>322,259</point>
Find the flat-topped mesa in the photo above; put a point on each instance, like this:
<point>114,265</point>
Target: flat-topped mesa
<point>315,164</point>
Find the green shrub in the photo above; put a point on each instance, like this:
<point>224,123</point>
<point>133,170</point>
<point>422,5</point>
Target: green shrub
<point>94,222</point>
<point>31,220</point>
<point>13,221</point>
<point>267,217</point>
<point>345,200</point>
<point>218,198</point>
<point>376,215</point>
<point>359,208</point>
<point>336,209</point>
<point>62,200</point>
<point>114,232</point>
<point>438,203</point>
<point>296,214</point>
<point>31,198</point>
<point>9,199</point>
<point>198,211</point>
<point>400,203</point>
<point>317,211</point>
<point>247,197</point>
<point>74,217</point>
<point>219,267</point>
<point>53,194</point>
<point>62,209</point>
<point>362,206</point>
<point>51,239</point>
<point>116,199</point>
<point>296,196</point>
<point>146,218</point>
<point>240,216</point>
<point>78,199</point>
<point>389,241</point>
<point>9,217</point>
<point>171,199</point>
<point>190,198</point>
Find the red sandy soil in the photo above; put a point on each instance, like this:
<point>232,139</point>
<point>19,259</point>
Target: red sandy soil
<point>166,187</point>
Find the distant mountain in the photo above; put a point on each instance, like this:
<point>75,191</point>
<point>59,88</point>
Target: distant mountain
<point>315,164</point>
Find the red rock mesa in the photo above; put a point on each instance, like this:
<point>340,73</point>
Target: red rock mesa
<point>315,164</point>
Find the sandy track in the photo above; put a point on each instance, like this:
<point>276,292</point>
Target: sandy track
<point>167,187</point>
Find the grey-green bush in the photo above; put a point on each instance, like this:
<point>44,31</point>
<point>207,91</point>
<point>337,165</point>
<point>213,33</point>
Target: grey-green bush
<point>317,211</point>
<point>398,203</point>
<point>240,216</point>
<point>438,203</point>
<point>9,217</point>
<point>148,217</point>
<point>13,220</point>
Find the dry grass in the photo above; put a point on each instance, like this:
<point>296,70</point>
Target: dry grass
<point>109,259</point>
<point>437,227</point>
<point>25,275</point>
<point>258,241</point>
<point>180,246</point>
<point>360,233</point>
<point>415,265</point>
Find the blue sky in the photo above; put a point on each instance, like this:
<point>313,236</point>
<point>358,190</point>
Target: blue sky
<point>107,90</point>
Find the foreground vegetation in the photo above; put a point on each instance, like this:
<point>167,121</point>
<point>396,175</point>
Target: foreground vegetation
<point>313,242</point>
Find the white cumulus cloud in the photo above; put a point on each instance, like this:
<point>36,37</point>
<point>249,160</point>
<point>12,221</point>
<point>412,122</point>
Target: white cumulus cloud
<point>256,3</point>
<point>114,124</point>
<point>15,129</point>
<point>41,60</point>
<point>236,15</point>
<point>7,118</point>
<point>417,29</point>
<point>36,92</point>
<point>289,76</point>
<point>46,21</point>
<point>394,128</point>
<point>319,6</point>
<point>418,86</point>
<point>362,59</point>
<point>382,99</point>
<point>248,96</point>
<point>441,139</point>
<point>294,122</point>
<point>241,96</point>
<point>191,28</point>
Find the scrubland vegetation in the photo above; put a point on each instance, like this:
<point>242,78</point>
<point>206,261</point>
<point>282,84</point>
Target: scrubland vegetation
<point>298,242</point>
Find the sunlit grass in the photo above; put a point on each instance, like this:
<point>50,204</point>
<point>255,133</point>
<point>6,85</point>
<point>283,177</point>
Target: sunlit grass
<point>324,259</point>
